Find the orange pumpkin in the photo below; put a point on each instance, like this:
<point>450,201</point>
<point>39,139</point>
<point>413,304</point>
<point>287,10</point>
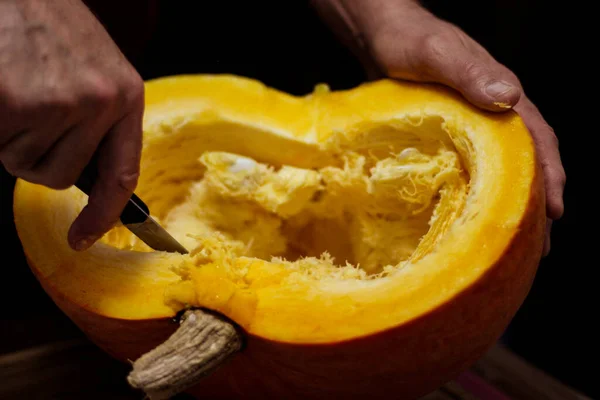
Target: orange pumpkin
<point>362,242</point>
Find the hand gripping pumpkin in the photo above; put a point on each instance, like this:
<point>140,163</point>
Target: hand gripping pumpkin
<point>363,243</point>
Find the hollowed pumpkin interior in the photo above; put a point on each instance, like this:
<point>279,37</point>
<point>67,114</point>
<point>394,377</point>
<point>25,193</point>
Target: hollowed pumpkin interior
<point>361,216</point>
<point>308,219</point>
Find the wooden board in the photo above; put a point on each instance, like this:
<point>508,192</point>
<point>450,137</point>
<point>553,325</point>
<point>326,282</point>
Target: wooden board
<point>76,369</point>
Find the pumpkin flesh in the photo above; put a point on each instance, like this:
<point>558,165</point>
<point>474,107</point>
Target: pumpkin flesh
<point>311,220</point>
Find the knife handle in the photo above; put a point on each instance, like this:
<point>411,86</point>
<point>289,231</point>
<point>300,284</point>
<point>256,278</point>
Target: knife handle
<point>135,211</point>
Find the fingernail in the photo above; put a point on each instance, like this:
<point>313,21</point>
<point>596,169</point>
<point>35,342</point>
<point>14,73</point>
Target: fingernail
<point>499,90</point>
<point>84,244</point>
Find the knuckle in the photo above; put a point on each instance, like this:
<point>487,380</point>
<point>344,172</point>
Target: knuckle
<point>432,55</point>
<point>475,72</point>
<point>133,88</point>
<point>127,181</point>
<point>101,90</point>
<point>438,47</point>
<point>433,46</point>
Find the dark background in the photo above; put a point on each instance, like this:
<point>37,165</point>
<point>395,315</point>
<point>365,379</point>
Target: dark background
<point>285,45</point>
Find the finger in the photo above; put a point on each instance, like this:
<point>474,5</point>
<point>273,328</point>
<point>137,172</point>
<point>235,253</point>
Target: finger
<point>27,148</point>
<point>24,149</point>
<point>546,250</point>
<point>118,171</point>
<point>60,167</point>
<point>452,58</point>
<point>548,153</point>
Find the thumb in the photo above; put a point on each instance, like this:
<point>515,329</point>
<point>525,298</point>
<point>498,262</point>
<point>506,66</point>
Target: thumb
<point>433,50</point>
<point>462,64</point>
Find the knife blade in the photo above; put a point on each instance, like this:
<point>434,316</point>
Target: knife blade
<point>136,217</point>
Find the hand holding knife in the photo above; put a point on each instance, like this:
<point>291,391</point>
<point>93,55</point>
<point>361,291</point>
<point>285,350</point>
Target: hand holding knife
<point>136,217</point>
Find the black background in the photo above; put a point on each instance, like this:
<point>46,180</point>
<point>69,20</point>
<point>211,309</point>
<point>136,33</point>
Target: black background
<point>284,44</point>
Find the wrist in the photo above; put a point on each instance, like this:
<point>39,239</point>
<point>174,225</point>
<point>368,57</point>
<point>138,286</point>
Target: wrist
<point>366,19</point>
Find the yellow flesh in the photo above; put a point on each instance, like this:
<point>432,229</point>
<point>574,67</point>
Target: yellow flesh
<point>309,219</point>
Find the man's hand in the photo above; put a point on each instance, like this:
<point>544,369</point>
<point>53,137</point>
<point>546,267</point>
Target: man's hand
<point>401,39</point>
<point>67,93</point>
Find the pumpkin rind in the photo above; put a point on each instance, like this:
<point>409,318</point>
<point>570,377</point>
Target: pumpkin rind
<point>407,332</point>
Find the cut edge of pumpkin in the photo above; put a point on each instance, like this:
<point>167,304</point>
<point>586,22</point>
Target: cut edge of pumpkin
<point>515,159</point>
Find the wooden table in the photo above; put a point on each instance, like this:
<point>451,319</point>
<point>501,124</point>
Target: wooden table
<point>76,369</point>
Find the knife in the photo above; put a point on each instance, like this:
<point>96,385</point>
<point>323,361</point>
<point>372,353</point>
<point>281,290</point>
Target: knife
<point>136,217</point>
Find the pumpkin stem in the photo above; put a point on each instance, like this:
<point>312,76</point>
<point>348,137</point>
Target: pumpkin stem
<point>201,344</point>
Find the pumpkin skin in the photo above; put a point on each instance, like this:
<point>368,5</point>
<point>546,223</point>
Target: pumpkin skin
<point>405,332</point>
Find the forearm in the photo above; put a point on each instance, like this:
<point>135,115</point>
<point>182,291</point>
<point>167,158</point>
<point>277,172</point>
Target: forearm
<point>362,19</point>
<point>359,25</point>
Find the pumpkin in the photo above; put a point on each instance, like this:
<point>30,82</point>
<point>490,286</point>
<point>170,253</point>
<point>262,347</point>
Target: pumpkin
<point>343,244</point>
